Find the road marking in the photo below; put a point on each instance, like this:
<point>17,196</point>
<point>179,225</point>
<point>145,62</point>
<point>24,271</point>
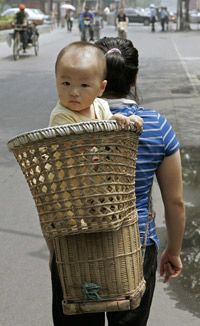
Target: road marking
<point>189,76</point>
<point>191,58</point>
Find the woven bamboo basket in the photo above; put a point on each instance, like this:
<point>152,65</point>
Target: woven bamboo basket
<point>81,176</point>
<point>101,271</point>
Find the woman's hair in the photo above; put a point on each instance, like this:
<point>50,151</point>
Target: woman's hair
<point>122,66</point>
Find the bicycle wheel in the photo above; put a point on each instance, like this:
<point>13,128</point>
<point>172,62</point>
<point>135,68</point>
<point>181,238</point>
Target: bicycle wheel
<point>16,46</point>
<point>36,45</point>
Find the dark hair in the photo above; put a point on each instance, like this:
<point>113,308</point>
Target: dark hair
<point>79,45</point>
<point>122,66</point>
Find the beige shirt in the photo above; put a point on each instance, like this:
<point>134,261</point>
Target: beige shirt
<point>61,115</point>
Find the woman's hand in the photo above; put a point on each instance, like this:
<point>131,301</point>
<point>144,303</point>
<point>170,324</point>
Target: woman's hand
<point>170,266</point>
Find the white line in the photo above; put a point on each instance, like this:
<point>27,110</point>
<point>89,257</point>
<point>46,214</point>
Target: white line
<point>191,58</point>
<point>189,76</point>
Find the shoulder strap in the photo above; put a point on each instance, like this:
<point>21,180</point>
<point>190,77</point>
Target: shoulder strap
<point>151,216</point>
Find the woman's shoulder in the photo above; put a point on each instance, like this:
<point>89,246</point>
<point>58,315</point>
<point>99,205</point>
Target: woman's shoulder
<point>150,114</point>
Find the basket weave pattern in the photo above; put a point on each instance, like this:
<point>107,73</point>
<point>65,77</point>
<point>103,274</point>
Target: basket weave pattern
<point>110,260</point>
<point>82,179</point>
<point>81,182</point>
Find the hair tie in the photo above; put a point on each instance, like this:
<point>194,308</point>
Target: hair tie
<point>113,50</point>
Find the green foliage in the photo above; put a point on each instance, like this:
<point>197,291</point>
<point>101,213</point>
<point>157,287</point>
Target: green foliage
<point>5,22</point>
<point>6,19</point>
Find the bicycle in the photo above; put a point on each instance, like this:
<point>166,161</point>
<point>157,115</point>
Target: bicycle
<point>25,37</point>
<point>121,28</point>
<point>17,44</point>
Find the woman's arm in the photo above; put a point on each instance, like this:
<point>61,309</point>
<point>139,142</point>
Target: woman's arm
<point>51,250</point>
<point>169,176</point>
<point>124,121</point>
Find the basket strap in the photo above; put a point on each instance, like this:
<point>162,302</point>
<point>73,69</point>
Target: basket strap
<point>151,216</point>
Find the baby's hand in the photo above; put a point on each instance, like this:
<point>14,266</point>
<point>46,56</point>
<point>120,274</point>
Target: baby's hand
<point>121,119</point>
<point>137,121</point>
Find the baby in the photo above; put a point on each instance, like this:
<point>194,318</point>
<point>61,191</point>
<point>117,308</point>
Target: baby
<point>80,80</point>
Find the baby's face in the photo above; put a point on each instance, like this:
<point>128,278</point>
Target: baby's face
<point>79,82</point>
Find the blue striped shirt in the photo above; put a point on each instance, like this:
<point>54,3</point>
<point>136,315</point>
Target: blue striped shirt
<point>157,141</point>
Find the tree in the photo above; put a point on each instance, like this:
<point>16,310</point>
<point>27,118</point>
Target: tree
<point>183,21</point>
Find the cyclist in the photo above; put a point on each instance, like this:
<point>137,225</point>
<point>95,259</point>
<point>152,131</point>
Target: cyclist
<point>122,23</point>
<point>21,20</point>
<point>86,20</point>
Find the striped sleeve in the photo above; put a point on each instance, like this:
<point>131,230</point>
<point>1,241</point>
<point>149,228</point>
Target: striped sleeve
<point>170,141</point>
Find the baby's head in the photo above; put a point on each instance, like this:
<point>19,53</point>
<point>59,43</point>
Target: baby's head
<point>80,75</point>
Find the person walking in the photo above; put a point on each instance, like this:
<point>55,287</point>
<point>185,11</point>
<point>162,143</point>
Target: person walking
<point>86,25</point>
<point>69,20</point>
<point>163,18</point>
<point>158,156</point>
<point>98,25</point>
<point>153,17</point>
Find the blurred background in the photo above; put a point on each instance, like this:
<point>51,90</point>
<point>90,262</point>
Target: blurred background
<point>182,12</point>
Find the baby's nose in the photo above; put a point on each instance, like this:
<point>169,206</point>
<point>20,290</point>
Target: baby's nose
<point>74,91</point>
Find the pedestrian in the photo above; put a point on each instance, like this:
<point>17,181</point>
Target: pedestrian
<point>98,25</point>
<point>122,23</point>
<point>153,17</point>
<point>54,22</point>
<point>163,18</point>
<point>158,156</point>
<point>86,25</point>
<point>167,19</point>
<point>80,77</point>
<point>62,16</point>
<point>69,20</point>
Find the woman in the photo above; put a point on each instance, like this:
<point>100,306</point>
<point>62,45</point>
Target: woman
<point>158,155</point>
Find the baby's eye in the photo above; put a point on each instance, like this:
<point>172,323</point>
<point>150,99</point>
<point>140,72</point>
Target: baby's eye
<point>84,85</point>
<point>66,83</point>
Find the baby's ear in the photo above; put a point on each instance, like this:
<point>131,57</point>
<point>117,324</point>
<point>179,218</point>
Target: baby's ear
<point>102,87</point>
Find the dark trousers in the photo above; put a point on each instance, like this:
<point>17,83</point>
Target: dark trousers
<point>84,33</point>
<point>69,25</point>
<point>137,317</point>
<point>153,20</point>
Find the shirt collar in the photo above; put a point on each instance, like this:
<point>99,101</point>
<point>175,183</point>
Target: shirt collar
<point>119,101</point>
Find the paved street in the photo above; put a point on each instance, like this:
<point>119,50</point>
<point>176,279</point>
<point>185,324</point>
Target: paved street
<point>169,81</point>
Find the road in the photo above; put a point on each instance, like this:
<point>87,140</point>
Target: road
<point>168,81</point>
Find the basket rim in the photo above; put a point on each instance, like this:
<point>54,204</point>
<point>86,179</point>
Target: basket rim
<point>68,129</point>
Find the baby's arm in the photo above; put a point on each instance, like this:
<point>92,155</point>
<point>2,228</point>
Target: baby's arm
<point>137,121</point>
<point>123,121</point>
